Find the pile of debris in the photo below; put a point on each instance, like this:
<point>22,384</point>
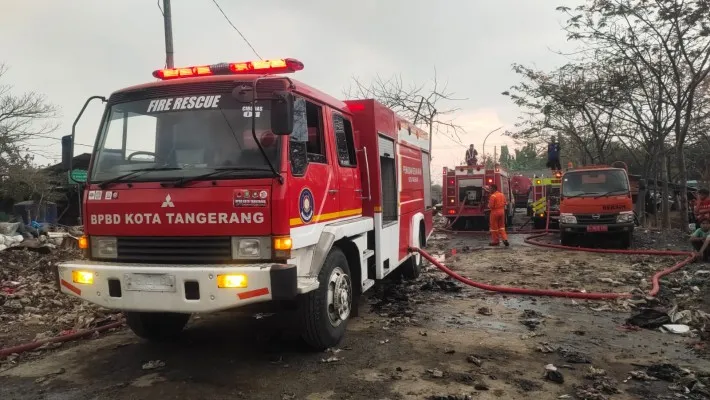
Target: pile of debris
<point>681,306</point>
<point>31,305</point>
<point>36,236</point>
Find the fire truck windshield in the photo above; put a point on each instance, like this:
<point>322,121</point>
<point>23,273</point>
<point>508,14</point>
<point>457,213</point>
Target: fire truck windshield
<point>181,138</point>
<point>594,183</point>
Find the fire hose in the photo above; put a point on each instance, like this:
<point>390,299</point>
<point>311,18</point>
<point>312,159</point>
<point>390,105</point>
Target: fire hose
<point>4,352</point>
<point>493,288</point>
<point>536,234</point>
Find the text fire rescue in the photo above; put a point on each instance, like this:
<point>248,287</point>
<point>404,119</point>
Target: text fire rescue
<point>177,218</point>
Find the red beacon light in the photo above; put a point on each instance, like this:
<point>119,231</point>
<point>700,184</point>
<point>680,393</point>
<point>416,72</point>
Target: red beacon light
<point>277,66</point>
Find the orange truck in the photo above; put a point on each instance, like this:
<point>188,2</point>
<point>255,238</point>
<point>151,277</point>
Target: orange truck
<point>596,200</point>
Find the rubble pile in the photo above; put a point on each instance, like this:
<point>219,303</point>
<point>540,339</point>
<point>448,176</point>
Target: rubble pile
<point>31,305</point>
<point>681,307</point>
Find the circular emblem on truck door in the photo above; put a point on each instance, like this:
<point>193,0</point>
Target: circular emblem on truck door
<point>305,205</point>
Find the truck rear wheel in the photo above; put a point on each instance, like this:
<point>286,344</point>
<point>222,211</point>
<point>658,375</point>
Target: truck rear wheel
<point>156,326</point>
<point>412,268</point>
<point>324,312</point>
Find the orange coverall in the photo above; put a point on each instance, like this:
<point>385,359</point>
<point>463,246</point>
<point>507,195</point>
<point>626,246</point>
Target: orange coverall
<point>496,203</point>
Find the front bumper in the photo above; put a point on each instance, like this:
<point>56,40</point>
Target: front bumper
<point>611,228</point>
<point>265,282</point>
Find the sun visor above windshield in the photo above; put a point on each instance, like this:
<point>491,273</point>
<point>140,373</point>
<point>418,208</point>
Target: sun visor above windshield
<point>265,87</point>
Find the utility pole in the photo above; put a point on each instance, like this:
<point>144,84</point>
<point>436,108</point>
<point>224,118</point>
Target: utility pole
<point>168,21</point>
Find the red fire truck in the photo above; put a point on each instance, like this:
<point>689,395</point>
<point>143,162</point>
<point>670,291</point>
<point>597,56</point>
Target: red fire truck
<point>466,201</point>
<point>227,185</point>
<point>521,190</point>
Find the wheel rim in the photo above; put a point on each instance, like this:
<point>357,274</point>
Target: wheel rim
<point>339,297</point>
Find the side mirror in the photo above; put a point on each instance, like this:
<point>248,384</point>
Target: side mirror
<point>67,150</point>
<point>282,113</point>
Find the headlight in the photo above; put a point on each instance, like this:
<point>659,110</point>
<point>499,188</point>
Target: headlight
<point>248,248</point>
<point>254,248</point>
<point>625,216</point>
<point>568,219</point>
<point>103,247</point>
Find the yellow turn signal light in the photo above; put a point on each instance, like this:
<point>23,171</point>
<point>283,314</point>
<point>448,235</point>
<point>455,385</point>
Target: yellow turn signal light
<point>83,242</point>
<point>283,243</point>
<point>83,277</point>
<point>232,281</point>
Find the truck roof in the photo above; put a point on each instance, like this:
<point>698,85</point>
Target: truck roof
<point>300,86</point>
<point>594,168</point>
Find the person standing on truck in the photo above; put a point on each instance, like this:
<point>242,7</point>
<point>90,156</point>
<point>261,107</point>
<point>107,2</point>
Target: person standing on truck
<point>496,204</point>
<point>702,205</point>
<point>700,239</point>
<point>471,156</point>
<point>553,155</point>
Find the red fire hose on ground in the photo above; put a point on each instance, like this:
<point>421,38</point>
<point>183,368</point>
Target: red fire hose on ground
<point>536,234</point>
<point>59,339</point>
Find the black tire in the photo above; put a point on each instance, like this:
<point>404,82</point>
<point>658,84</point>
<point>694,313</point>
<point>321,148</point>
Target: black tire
<point>156,326</point>
<point>314,313</point>
<point>566,239</point>
<point>411,269</point>
<point>627,239</point>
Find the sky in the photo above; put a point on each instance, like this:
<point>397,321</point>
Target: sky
<point>70,50</point>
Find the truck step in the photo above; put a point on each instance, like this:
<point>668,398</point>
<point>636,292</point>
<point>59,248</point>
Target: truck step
<point>367,254</point>
<point>367,284</point>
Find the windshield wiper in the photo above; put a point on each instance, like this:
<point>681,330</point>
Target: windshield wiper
<point>216,172</point>
<point>578,195</point>
<point>133,173</point>
<point>610,192</point>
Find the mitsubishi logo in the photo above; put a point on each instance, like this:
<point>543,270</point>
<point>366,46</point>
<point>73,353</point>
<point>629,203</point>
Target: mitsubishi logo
<point>168,202</point>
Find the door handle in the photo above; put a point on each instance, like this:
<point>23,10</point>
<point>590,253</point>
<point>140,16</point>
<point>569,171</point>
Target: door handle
<point>333,191</point>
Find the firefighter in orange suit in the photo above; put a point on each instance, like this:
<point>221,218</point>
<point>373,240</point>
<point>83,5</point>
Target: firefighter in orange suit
<point>496,203</point>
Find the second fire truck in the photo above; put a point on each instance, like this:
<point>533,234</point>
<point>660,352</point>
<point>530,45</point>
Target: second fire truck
<point>545,201</point>
<point>229,185</point>
<point>465,197</point>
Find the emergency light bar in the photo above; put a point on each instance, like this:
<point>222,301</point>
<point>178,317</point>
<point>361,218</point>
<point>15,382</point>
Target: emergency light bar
<point>278,66</point>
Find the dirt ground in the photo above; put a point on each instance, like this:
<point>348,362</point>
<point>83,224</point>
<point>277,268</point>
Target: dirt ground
<point>428,339</point>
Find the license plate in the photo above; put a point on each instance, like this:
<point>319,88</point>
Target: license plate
<point>597,228</point>
<point>149,282</point>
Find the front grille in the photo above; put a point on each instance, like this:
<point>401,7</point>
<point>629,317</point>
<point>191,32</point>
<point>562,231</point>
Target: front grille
<point>604,219</point>
<point>198,249</point>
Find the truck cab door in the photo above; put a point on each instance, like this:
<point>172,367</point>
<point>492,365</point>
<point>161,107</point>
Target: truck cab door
<point>345,163</point>
<point>313,182</point>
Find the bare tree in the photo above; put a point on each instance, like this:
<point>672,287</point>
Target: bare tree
<point>23,118</point>
<point>423,105</point>
<point>662,41</point>
<point>576,101</point>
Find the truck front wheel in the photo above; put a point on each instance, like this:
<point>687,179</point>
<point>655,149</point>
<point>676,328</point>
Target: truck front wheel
<point>156,326</point>
<point>627,239</point>
<point>324,312</point>
<point>566,239</point>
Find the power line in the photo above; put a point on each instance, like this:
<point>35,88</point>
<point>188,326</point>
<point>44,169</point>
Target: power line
<point>236,29</point>
<point>56,138</point>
